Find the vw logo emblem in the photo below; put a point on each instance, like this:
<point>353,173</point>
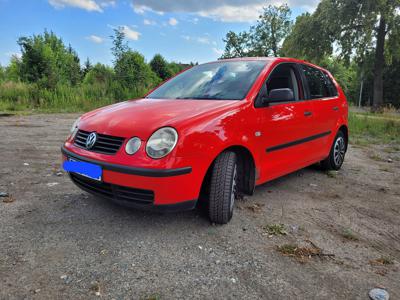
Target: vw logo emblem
<point>91,140</point>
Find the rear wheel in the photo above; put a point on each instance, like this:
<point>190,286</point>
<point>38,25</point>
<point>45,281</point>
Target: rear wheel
<point>223,188</point>
<point>336,156</point>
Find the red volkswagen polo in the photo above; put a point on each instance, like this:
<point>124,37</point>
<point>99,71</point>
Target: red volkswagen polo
<point>220,128</point>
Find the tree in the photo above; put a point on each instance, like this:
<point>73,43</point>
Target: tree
<point>120,45</point>
<point>160,66</point>
<point>263,39</point>
<point>307,41</point>
<point>272,28</point>
<point>133,73</point>
<point>99,74</point>
<point>47,61</point>
<point>13,70</point>
<point>87,67</point>
<point>362,24</point>
<point>236,45</point>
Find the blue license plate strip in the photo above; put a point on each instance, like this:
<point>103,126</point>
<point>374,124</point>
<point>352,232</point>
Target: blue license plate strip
<point>86,169</point>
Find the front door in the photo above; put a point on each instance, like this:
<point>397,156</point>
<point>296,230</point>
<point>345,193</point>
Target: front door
<point>286,128</point>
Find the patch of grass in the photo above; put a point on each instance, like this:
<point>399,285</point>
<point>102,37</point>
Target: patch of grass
<point>302,254</point>
<point>153,297</point>
<point>374,128</point>
<point>18,96</point>
<point>275,229</point>
<point>359,141</point>
<point>332,174</point>
<point>348,234</point>
<point>376,157</point>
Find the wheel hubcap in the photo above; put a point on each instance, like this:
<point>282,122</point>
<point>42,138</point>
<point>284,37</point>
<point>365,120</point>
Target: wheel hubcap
<point>233,189</point>
<point>339,151</point>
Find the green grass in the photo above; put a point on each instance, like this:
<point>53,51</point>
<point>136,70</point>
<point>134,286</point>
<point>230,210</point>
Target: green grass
<point>366,128</point>
<point>275,229</point>
<point>16,96</point>
<point>348,234</point>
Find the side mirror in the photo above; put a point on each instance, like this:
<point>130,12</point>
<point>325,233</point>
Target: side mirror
<point>279,95</point>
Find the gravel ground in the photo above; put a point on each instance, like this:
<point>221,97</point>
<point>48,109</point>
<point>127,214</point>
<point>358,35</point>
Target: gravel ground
<point>57,242</point>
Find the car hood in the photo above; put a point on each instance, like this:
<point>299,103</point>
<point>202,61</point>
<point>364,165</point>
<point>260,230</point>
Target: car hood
<point>142,117</point>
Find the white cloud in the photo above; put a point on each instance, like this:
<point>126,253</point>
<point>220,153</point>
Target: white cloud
<point>142,9</point>
<point>173,22</point>
<point>89,5</point>
<point>221,10</point>
<point>95,39</point>
<point>203,40</point>
<point>200,39</point>
<point>228,13</point>
<point>130,34</point>
<point>217,51</point>
<point>149,22</point>
<point>107,3</point>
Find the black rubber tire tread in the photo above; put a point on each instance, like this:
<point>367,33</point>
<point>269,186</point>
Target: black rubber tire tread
<point>329,163</point>
<point>221,188</point>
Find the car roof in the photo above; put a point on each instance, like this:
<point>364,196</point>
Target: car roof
<point>269,59</point>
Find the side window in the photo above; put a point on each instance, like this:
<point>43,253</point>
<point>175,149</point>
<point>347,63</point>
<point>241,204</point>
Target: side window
<point>332,88</point>
<point>318,83</point>
<point>285,76</point>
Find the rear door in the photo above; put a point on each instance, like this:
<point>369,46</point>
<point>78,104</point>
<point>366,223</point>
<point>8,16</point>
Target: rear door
<point>322,93</point>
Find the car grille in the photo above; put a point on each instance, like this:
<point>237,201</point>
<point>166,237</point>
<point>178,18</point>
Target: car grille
<point>105,144</point>
<point>112,191</point>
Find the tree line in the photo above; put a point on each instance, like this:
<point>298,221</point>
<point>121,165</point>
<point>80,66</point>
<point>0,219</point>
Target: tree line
<point>358,41</point>
<point>49,75</point>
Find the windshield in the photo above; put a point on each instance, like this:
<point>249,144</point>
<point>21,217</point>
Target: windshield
<point>225,80</point>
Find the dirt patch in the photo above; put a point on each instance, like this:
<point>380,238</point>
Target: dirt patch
<point>59,242</point>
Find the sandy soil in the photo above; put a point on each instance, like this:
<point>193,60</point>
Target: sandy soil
<point>57,242</point>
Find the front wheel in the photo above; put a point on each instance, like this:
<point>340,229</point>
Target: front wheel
<point>336,156</point>
<point>223,188</point>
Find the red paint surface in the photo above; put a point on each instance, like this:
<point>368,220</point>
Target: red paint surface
<point>208,127</point>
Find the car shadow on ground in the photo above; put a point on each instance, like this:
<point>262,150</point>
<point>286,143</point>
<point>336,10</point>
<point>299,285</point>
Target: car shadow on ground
<point>198,216</point>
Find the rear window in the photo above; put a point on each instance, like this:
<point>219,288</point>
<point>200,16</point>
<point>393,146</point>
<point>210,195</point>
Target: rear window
<point>319,84</point>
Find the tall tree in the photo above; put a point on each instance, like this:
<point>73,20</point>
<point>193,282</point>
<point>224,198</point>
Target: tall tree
<point>47,61</point>
<point>362,24</point>
<point>120,45</point>
<point>272,28</point>
<point>237,45</point>
<point>160,66</point>
<point>307,41</point>
<point>263,39</point>
<point>87,66</point>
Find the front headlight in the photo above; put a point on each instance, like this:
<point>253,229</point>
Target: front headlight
<point>75,125</point>
<point>161,142</point>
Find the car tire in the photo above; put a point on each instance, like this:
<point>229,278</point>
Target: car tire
<point>337,153</point>
<point>223,188</point>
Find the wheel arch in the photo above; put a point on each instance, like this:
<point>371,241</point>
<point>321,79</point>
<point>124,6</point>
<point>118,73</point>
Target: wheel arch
<point>345,131</point>
<point>246,168</point>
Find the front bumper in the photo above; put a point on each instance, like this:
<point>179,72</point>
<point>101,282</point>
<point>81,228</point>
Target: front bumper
<point>144,188</point>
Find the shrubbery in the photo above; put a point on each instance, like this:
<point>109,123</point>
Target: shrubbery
<point>49,76</point>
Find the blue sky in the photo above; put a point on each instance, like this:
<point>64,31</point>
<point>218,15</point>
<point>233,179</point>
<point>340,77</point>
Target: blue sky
<point>181,30</point>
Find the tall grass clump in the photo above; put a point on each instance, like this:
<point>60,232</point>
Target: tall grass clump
<point>375,127</point>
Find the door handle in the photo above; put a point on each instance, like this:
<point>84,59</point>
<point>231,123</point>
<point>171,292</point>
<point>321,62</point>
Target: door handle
<point>307,113</point>
<point>335,108</point>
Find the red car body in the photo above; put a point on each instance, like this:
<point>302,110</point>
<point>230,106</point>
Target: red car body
<point>273,140</point>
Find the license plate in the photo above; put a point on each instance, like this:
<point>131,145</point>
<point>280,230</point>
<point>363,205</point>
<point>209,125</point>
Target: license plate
<point>83,168</point>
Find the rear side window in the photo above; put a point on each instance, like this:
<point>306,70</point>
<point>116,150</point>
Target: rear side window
<point>319,84</point>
